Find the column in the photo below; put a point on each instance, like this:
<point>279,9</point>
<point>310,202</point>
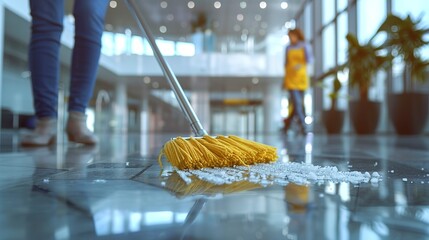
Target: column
<point>1,50</point>
<point>200,100</point>
<point>144,123</point>
<point>120,108</point>
<point>272,106</point>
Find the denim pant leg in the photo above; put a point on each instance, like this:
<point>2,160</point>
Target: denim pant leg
<point>89,25</point>
<point>297,97</point>
<point>43,57</point>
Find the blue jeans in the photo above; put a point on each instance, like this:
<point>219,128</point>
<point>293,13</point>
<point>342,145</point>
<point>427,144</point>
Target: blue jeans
<point>296,97</point>
<point>46,29</point>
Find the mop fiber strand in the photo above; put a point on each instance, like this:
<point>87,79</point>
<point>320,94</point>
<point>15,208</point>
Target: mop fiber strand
<point>220,151</point>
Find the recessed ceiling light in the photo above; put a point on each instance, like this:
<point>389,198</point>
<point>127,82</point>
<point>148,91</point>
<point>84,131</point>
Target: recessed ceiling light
<point>255,80</point>
<point>263,5</point>
<point>163,29</point>
<point>217,4</point>
<point>240,17</point>
<point>113,4</point>
<point>170,17</point>
<point>258,17</point>
<point>155,85</point>
<point>191,4</point>
<point>164,4</point>
<point>284,5</point>
<point>243,5</point>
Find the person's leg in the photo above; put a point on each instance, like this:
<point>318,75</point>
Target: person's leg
<point>43,56</point>
<point>298,104</point>
<point>288,121</point>
<point>46,29</point>
<point>89,25</point>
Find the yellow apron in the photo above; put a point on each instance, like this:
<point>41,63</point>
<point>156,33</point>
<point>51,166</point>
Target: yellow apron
<point>296,77</point>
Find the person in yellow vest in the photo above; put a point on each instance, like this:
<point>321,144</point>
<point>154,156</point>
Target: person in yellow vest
<point>298,55</point>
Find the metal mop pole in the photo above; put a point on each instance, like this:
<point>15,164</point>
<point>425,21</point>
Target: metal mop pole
<point>186,107</point>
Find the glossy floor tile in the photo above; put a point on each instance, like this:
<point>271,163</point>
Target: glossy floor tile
<point>117,191</point>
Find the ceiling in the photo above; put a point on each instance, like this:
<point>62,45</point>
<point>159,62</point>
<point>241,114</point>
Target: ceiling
<point>178,18</point>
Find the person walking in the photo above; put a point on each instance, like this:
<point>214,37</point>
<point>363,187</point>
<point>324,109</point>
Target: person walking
<point>46,29</point>
<point>298,55</point>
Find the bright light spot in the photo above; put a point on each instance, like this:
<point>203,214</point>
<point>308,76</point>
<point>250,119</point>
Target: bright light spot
<point>343,76</point>
<point>284,112</point>
<point>163,29</point>
<point>308,120</point>
<point>90,119</point>
<point>243,37</point>
<point>146,80</point>
<point>308,148</point>
<point>191,4</point>
<point>164,4</point>
<point>255,80</point>
<point>240,17</point>
<point>263,5</point>
<point>284,5</point>
<point>217,4</point>
<point>243,5</point>
<point>113,4</point>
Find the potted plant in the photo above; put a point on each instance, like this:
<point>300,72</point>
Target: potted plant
<point>364,61</point>
<point>333,118</point>
<point>408,110</point>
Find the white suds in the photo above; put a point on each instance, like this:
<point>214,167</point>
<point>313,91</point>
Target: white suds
<point>279,173</point>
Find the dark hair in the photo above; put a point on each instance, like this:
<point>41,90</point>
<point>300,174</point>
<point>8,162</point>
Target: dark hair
<point>298,33</point>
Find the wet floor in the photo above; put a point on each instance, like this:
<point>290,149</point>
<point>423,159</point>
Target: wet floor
<point>117,191</point>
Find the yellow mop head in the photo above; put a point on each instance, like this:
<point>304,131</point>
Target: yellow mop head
<point>220,151</point>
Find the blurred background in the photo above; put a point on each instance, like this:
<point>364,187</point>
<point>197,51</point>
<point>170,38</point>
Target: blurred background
<point>229,57</point>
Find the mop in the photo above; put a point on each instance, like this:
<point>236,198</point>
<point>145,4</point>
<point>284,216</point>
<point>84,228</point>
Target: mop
<point>201,151</point>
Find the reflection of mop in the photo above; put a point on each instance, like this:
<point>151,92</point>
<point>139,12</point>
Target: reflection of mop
<point>203,150</point>
<point>199,187</point>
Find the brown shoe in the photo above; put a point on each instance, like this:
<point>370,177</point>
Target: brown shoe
<point>44,134</point>
<point>77,131</point>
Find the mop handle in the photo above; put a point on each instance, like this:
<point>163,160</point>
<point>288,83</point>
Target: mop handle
<point>186,107</point>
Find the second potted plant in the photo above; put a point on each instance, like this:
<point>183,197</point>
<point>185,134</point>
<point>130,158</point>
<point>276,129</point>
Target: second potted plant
<point>408,110</point>
<point>364,61</point>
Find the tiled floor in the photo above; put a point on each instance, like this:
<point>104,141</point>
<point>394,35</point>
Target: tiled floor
<point>113,192</point>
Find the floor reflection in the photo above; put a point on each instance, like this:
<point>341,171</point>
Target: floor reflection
<point>117,191</point>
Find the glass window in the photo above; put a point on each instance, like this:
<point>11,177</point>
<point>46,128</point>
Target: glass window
<point>308,22</point>
<point>137,46</point>
<point>185,49</point>
<point>342,28</point>
<point>328,36</point>
<point>120,43</point>
<point>328,11</point>
<point>370,15</point>
<point>166,47</point>
<point>341,5</point>
<point>108,43</point>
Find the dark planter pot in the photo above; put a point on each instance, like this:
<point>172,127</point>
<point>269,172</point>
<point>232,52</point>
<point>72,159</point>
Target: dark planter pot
<point>365,116</point>
<point>334,121</point>
<point>408,112</point>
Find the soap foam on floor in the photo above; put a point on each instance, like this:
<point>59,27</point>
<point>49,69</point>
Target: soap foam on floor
<point>279,173</point>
